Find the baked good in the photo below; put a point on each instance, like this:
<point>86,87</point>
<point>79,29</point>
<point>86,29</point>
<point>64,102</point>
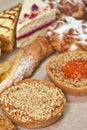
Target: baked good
<point>25,62</point>
<point>85,1</point>
<point>0,49</point>
<point>6,124</point>
<point>69,72</point>
<point>33,103</point>
<point>68,33</point>
<point>74,8</point>
<point>8,70</point>
<point>34,20</point>
<point>8,21</point>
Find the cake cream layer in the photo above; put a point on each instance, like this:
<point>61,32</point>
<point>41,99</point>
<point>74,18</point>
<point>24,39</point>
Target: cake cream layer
<point>27,40</point>
<point>33,18</point>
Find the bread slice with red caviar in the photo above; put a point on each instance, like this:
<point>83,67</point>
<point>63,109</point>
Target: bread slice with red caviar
<point>69,72</point>
<point>33,103</point>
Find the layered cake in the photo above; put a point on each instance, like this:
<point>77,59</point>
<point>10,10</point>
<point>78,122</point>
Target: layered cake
<point>8,21</point>
<point>35,17</point>
<point>68,34</point>
<point>75,8</point>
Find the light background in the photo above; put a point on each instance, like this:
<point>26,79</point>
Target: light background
<point>75,115</point>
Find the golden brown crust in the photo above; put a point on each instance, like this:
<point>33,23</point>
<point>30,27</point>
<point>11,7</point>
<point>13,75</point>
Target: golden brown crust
<point>6,124</point>
<point>27,61</point>
<point>68,87</point>
<point>67,34</point>
<point>39,48</point>
<point>35,119</point>
<point>12,66</point>
<point>33,55</point>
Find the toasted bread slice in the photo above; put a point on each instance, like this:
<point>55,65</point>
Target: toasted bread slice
<point>33,103</point>
<point>8,21</point>
<point>6,124</point>
<point>69,72</point>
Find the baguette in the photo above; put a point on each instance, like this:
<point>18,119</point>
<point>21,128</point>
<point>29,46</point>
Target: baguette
<point>69,72</point>
<point>33,103</point>
<point>26,62</point>
<point>6,124</point>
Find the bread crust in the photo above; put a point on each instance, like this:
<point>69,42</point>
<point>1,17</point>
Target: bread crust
<point>5,123</point>
<point>36,123</point>
<point>13,63</point>
<point>66,87</point>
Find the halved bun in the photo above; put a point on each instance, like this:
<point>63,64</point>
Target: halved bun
<point>67,84</point>
<point>33,103</point>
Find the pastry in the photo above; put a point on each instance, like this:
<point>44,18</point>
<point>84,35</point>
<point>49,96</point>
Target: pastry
<point>0,48</point>
<point>33,103</point>
<point>6,124</point>
<point>68,33</point>
<point>25,62</point>
<point>8,70</point>
<point>74,8</point>
<point>69,72</point>
<point>35,17</point>
<point>8,21</point>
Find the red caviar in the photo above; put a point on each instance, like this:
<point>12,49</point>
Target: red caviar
<point>76,69</point>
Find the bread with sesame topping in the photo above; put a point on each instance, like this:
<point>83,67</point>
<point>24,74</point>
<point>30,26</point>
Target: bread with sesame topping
<point>33,103</point>
<point>69,72</point>
<point>6,124</point>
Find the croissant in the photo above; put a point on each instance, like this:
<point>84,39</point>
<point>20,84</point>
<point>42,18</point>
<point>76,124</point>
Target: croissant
<point>25,63</point>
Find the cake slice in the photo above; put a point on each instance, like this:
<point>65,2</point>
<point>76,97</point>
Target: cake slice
<point>35,17</point>
<point>8,21</point>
